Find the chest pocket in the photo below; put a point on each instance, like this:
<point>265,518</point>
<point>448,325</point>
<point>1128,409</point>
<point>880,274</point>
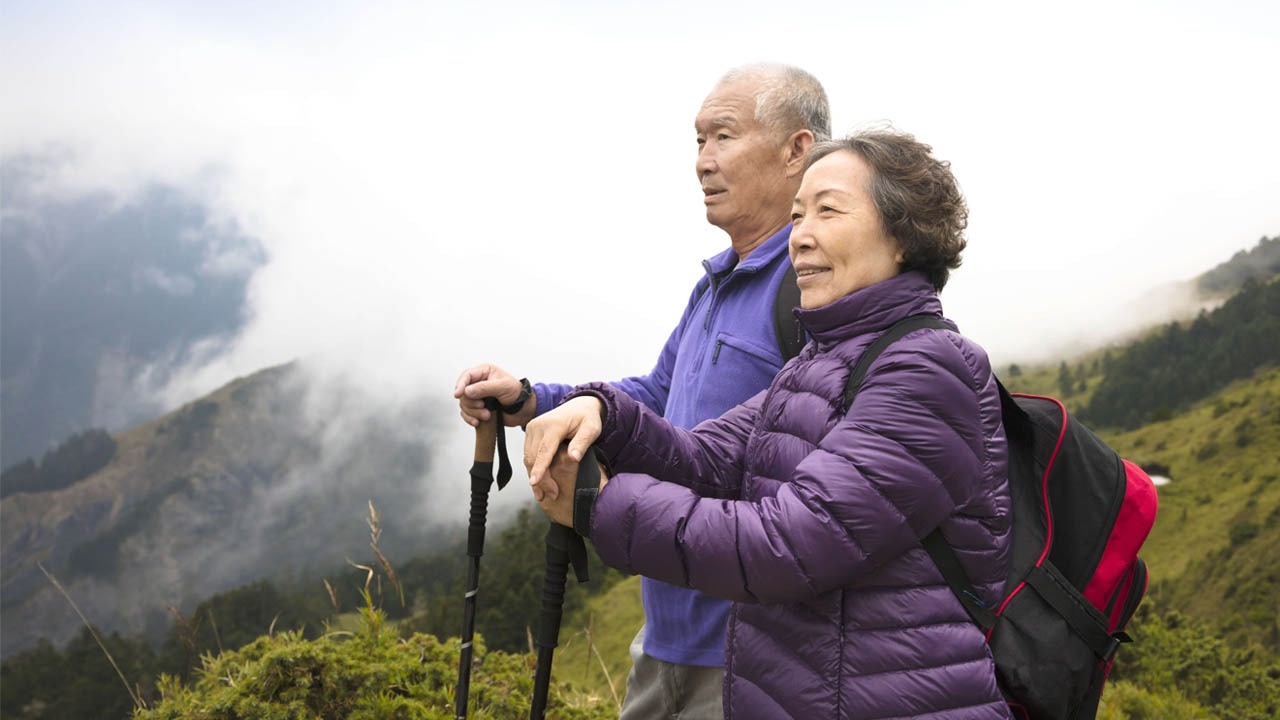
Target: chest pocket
<point>734,351</point>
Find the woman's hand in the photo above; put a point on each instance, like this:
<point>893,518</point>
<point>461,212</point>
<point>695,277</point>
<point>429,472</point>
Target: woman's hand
<point>576,421</point>
<point>563,474</point>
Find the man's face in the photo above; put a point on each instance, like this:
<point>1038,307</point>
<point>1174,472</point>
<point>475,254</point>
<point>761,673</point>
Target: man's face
<point>741,167</point>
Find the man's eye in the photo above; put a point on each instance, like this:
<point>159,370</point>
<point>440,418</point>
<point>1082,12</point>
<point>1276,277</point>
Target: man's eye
<point>722,136</point>
<point>795,216</point>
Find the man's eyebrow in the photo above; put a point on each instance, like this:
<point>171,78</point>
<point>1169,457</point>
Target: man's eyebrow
<point>719,121</point>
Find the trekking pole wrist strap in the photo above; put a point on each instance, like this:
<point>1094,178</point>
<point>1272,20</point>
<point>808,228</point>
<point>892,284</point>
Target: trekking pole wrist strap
<point>586,489</point>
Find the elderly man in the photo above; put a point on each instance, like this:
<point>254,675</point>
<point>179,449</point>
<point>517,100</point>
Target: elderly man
<point>753,131</point>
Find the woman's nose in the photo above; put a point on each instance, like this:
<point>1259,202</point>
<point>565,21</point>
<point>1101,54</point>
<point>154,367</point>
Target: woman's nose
<point>801,237</point>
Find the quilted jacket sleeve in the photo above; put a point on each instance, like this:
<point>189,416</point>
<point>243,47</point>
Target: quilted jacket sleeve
<point>911,452</point>
<point>707,459</point>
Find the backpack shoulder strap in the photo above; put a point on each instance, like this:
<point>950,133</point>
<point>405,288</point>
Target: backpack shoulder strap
<point>786,328</point>
<point>936,545</point>
<point>887,338</point>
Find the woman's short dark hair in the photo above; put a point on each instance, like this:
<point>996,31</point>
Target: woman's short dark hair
<point>918,198</point>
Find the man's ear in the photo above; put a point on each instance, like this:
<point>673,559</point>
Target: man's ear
<point>796,150</point>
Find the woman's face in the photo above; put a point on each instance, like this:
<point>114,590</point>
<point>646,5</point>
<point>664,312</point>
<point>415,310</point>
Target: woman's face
<point>838,243</point>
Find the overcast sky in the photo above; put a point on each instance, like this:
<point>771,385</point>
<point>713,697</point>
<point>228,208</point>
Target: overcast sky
<point>438,184</point>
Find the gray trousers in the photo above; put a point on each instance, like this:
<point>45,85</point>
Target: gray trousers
<point>659,689</point>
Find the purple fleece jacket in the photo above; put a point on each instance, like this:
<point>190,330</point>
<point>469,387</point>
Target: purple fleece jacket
<point>811,521</point>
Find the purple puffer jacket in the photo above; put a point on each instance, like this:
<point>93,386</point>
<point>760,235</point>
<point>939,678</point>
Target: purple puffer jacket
<point>811,521</point>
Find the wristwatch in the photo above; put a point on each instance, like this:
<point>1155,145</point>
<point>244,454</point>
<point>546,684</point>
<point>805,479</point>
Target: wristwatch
<point>525,391</point>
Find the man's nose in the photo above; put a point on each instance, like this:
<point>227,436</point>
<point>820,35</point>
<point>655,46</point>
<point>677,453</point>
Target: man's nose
<point>706,163</point>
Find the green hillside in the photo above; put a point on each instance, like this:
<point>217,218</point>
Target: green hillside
<point>1212,549</point>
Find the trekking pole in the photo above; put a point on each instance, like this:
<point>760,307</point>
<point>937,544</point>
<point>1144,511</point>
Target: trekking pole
<point>488,434</point>
<point>564,548</point>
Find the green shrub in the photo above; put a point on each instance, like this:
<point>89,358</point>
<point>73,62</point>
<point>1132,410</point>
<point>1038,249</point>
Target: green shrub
<point>371,674</point>
<point>1242,532</point>
<point>1173,657</point>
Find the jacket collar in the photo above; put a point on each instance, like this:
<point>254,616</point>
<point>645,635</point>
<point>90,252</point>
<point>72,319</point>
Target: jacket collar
<point>723,262</point>
<point>872,309</point>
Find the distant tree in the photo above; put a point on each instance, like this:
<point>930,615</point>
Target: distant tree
<point>1259,263</point>
<point>80,681</point>
<point>22,477</point>
<point>225,621</point>
<point>79,457</point>
<point>1014,370</point>
<point>1176,366</point>
<point>1066,383</point>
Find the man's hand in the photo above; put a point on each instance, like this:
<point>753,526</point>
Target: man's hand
<point>577,421</point>
<point>563,474</point>
<point>490,381</point>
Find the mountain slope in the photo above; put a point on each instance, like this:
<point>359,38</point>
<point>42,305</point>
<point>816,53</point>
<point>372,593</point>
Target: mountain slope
<point>251,481</point>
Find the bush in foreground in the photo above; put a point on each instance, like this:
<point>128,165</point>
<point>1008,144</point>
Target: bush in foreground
<point>371,674</point>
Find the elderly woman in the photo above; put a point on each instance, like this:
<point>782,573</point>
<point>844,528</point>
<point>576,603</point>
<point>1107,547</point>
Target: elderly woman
<point>808,517</point>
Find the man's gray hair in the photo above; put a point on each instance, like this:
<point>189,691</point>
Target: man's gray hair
<point>788,99</point>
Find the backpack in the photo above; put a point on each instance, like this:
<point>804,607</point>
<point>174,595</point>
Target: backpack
<point>1080,514</point>
<point>786,328</point>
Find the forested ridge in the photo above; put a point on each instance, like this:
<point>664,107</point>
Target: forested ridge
<point>1181,363</point>
<point>1197,401</point>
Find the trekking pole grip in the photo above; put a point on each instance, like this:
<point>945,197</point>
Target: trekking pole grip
<point>486,440</point>
<point>481,480</point>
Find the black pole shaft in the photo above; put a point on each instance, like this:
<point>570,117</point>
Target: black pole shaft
<point>549,618</point>
<point>481,479</point>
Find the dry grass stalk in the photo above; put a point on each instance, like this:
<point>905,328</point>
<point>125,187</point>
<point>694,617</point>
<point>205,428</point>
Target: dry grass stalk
<point>137,699</point>
<point>591,645</point>
<point>214,625</point>
<point>333,596</point>
<point>186,628</point>
<point>375,534</point>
